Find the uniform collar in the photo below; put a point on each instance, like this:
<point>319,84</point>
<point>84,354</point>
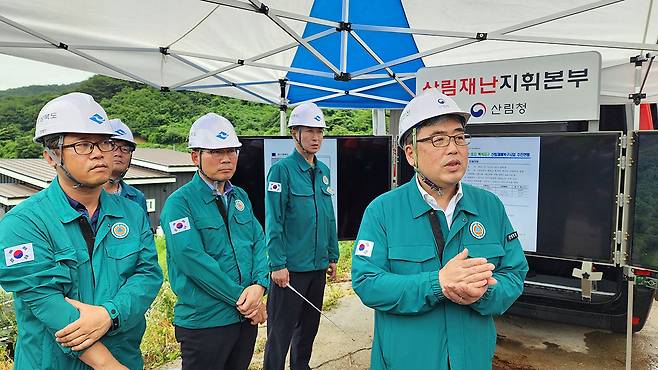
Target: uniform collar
<point>301,162</point>
<point>430,199</point>
<point>108,204</point>
<point>127,190</point>
<point>202,188</point>
<point>419,206</point>
<point>467,203</point>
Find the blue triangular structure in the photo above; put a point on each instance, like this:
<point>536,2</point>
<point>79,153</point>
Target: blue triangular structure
<point>380,13</point>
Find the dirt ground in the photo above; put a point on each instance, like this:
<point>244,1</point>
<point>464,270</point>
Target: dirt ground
<point>523,344</point>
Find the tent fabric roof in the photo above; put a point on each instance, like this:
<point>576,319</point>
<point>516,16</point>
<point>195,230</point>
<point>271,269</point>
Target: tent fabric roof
<point>355,54</point>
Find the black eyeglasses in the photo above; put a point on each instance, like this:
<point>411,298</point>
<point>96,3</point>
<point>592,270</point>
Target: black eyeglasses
<point>86,147</point>
<point>219,153</point>
<point>441,140</point>
<point>126,149</point>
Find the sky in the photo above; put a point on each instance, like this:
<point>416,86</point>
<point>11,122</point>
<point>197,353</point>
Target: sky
<point>18,72</point>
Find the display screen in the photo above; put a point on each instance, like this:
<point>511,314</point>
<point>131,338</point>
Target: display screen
<point>364,172</point>
<point>644,243</point>
<point>577,189</point>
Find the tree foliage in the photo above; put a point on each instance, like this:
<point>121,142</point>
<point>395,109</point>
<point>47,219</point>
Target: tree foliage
<point>156,118</point>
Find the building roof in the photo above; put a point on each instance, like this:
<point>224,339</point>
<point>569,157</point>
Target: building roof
<point>165,160</point>
<point>37,172</point>
<point>12,194</point>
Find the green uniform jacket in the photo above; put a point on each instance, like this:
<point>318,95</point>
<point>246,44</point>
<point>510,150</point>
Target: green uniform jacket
<point>395,271</point>
<point>299,217</point>
<point>208,270</point>
<point>133,194</point>
<point>123,276</point>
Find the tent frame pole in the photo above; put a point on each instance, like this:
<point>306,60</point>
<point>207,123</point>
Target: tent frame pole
<point>379,60</point>
<point>62,45</point>
<point>483,36</point>
<point>343,37</point>
<point>252,59</point>
<point>274,18</point>
<point>241,88</point>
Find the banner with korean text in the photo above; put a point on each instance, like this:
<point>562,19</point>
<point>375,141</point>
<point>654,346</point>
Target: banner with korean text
<point>539,89</point>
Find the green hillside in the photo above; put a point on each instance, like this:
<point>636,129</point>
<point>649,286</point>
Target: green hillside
<point>156,118</point>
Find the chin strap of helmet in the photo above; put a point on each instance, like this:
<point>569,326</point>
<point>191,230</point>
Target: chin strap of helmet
<point>216,183</point>
<point>298,139</point>
<point>60,143</point>
<point>422,177</point>
<point>123,174</point>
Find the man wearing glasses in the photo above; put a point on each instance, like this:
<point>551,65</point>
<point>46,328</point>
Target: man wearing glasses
<point>81,263</point>
<point>215,255</point>
<point>125,146</point>
<point>436,258</point>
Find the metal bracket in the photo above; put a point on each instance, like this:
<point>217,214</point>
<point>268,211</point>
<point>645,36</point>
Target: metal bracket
<point>621,200</point>
<point>587,278</point>
<point>637,97</point>
<point>623,141</point>
<point>639,59</point>
<point>343,76</point>
<point>625,163</point>
<point>344,26</point>
<point>617,255</point>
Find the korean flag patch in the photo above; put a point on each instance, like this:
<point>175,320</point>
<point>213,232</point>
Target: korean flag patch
<point>19,254</point>
<point>274,186</point>
<point>364,248</point>
<point>179,225</point>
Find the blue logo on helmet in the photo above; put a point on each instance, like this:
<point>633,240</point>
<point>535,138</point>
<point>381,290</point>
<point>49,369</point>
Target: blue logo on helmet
<point>97,118</point>
<point>441,101</point>
<point>120,132</point>
<point>478,110</point>
<point>222,135</point>
<point>318,118</point>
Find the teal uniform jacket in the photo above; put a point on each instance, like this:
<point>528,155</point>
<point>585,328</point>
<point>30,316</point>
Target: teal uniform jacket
<point>133,194</point>
<point>299,216</point>
<point>395,271</point>
<point>208,270</point>
<point>123,275</point>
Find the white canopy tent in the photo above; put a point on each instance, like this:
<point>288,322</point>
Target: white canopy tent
<point>341,53</point>
<point>345,53</point>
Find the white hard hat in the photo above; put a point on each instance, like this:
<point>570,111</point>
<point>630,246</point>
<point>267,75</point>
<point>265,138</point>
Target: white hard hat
<point>74,113</point>
<point>121,131</point>
<point>427,105</point>
<point>307,114</point>
<point>212,131</point>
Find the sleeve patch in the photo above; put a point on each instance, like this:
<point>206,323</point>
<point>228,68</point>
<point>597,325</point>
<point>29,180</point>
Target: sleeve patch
<point>364,248</point>
<point>513,235</point>
<point>180,225</point>
<point>19,254</point>
<point>274,187</point>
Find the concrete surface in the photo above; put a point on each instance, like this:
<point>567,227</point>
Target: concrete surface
<point>523,344</point>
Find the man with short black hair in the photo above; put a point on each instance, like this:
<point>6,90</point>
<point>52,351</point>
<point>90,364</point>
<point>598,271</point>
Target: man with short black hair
<point>215,254</point>
<point>81,264</point>
<point>122,156</point>
<point>436,258</point>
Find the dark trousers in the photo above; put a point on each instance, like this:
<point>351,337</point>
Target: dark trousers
<point>290,319</point>
<point>224,347</point>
